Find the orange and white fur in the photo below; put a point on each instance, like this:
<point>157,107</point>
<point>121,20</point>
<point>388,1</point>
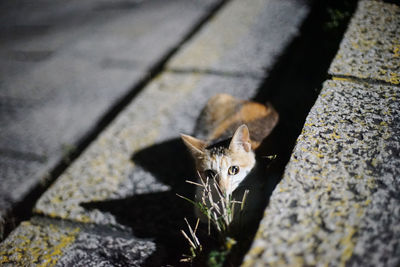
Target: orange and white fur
<point>230,130</point>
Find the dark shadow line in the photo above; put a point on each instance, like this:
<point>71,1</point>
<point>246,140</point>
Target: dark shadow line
<point>236,74</point>
<point>22,155</point>
<point>355,79</point>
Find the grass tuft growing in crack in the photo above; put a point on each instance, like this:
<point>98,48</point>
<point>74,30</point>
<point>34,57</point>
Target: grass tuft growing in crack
<point>223,215</point>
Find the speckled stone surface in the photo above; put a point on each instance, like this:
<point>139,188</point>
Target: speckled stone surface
<point>371,46</point>
<point>106,170</point>
<point>35,245</point>
<point>96,246</point>
<point>260,33</point>
<point>44,242</point>
<point>339,202</point>
<point>92,250</point>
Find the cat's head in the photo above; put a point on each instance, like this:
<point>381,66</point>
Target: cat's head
<point>225,164</point>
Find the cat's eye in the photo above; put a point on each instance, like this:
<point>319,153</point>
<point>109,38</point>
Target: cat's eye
<point>210,174</point>
<point>233,170</point>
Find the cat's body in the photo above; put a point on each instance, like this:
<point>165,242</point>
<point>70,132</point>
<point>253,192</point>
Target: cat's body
<point>224,152</point>
<point>223,114</point>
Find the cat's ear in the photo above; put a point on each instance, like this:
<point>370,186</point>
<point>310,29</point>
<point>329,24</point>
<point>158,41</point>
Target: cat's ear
<point>241,139</point>
<point>196,146</point>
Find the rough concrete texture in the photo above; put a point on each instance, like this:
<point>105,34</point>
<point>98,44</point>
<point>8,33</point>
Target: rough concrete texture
<point>260,32</point>
<point>64,64</point>
<point>42,242</point>
<point>338,203</point>
<point>371,46</point>
<point>34,245</point>
<point>94,249</point>
<point>167,107</point>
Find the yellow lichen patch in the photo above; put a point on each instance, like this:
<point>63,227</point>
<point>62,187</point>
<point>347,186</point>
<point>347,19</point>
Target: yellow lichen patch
<point>348,245</point>
<point>328,188</point>
<point>396,51</point>
<point>341,79</point>
<point>303,149</point>
<point>374,162</point>
<point>394,78</point>
<point>382,72</point>
<point>83,218</point>
<point>256,251</point>
<point>297,261</point>
<point>355,45</point>
<point>36,245</point>
<point>334,135</point>
<point>281,189</point>
<point>50,259</point>
<point>248,262</point>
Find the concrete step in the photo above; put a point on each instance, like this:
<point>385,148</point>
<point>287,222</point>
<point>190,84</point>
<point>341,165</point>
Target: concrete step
<point>45,242</point>
<point>251,47</point>
<point>127,178</point>
<point>338,202</point>
<point>64,66</point>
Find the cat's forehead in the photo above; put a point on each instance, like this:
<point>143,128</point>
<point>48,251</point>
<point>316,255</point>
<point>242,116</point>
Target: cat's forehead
<point>217,159</point>
<point>217,151</point>
<point>222,156</point>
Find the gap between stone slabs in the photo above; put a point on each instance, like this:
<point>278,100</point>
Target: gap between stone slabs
<point>338,200</point>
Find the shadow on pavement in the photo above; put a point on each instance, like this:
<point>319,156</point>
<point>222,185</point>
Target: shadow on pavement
<point>158,215</point>
<point>292,87</point>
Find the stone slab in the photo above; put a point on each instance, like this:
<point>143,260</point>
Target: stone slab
<point>166,107</point>
<point>371,46</point>
<point>42,242</point>
<point>338,203</point>
<point>99,249</point>
<point>67,65</point>
<point>243,39</point>
<point>34,245</point>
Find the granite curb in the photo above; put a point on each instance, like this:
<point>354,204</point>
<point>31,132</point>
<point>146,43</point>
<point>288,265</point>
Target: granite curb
<point>371,47</point>
<point>338,202</point>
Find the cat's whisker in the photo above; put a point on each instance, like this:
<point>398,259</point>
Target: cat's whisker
<point>191,182</point>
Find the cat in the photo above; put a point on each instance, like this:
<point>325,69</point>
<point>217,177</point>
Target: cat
<point>228,132</point>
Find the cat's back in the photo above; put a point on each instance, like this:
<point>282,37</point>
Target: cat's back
<point>223,114</point>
